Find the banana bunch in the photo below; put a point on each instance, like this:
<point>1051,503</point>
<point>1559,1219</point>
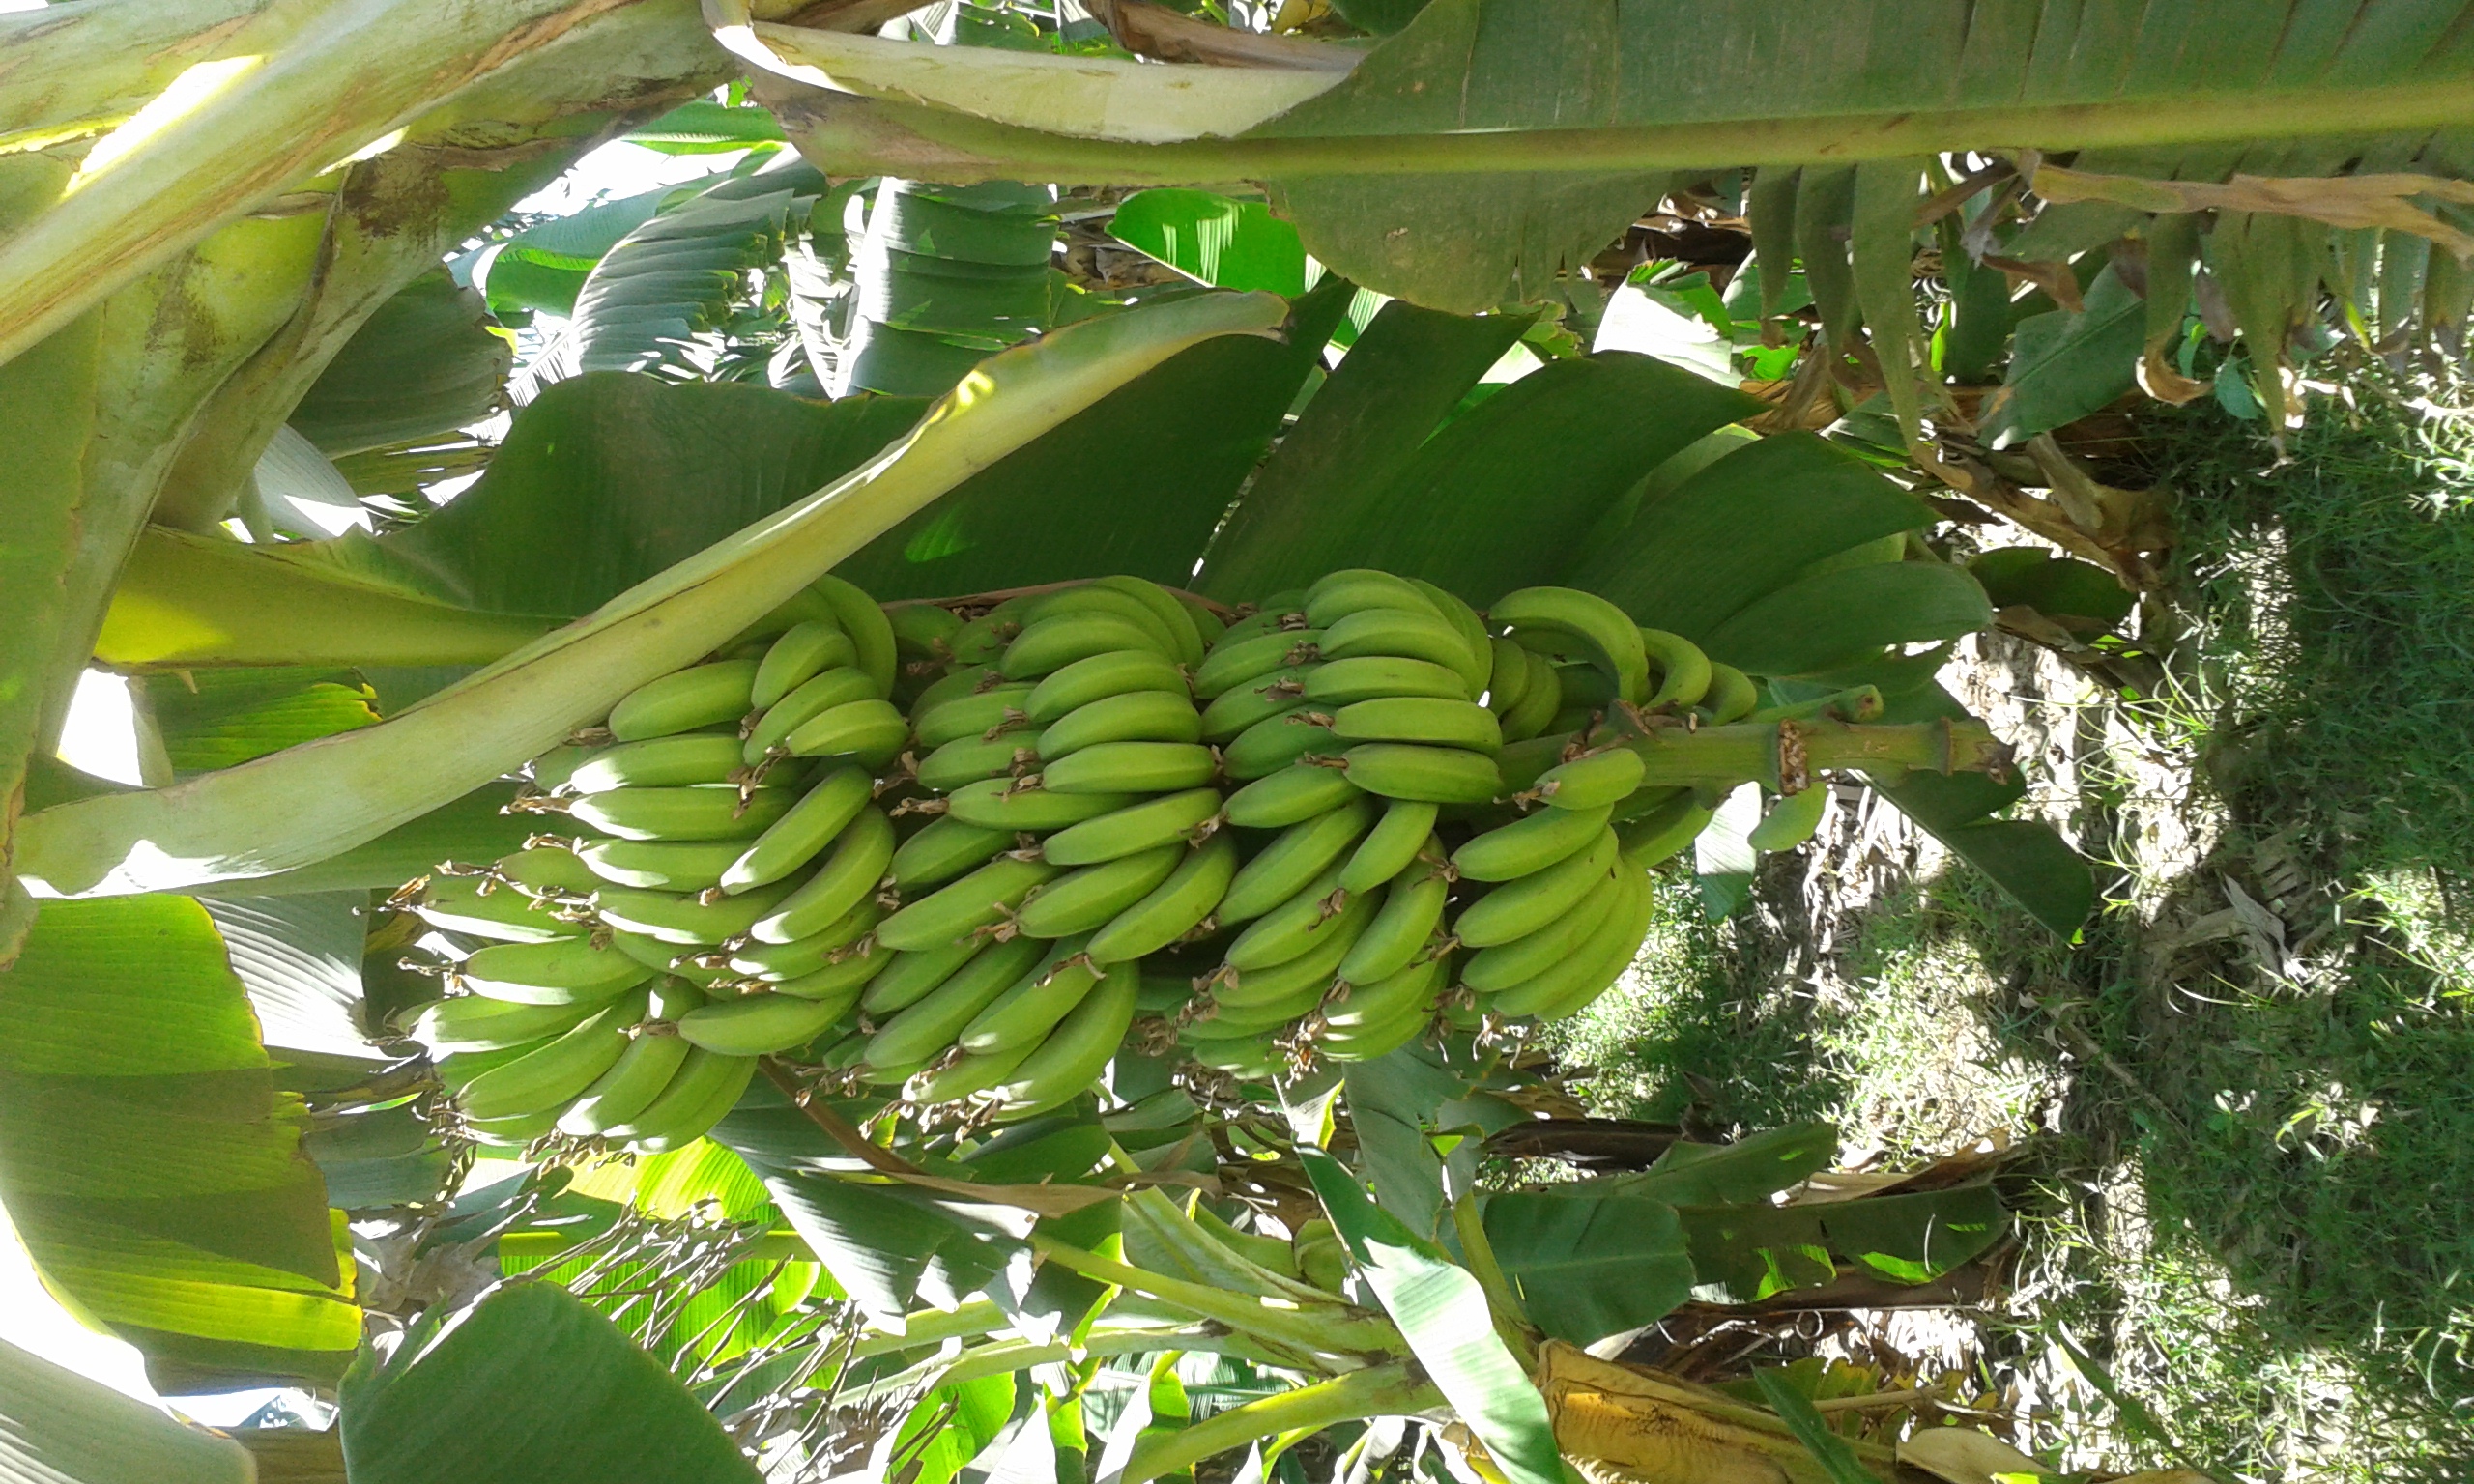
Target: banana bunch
<point>961,857</point>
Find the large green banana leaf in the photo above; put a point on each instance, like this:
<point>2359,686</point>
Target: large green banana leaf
<point>57,1427</point>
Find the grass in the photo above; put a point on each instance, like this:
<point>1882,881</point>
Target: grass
<point>2248,1172</point>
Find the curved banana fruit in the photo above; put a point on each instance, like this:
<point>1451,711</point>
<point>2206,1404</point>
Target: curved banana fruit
<point>1050,645</point>
<point>1032,1005</point>
<point>1607,632</point>
<point>690,757</point>
<point>1411,912</point>
<point>943,849</point>
<point>1293,795</point>
<point>1086,899</point>
<point>685,700</point>
<point>1528,845</point>
<point>870,730</point>
<point>1540,698</point>
<point>1380,676</point>
<point>1664,831</point>
<point>1137,827</point>
<point>1098,676</point>
<point>1603,778</point>
<point>1792,820</point>
<point>1077,1052</point>
<point>1260,698</point>
<point>796,838</point>
<point>835,688</point>
<point>971,759</point>
<point>923,630</point>
<point>1294,927</point>
<point>910,977</point>
<point>1137,716</point>
<point>977,901</point>
<point>1172,909</point>
<point>848,877</point>
<point>1028,804</point>
<point>864,620</point>
<point>1472,629</point>
<point>928,1024</point>
<point>1277,741</point>
<point>548,1078</point>
<point>1406,828</point>
<point>687,920</point>
<point>1182,619</point>
<point>661,865</point>
<point>1504,965</point>
<point>683,813</point>
<point>967,1077</point>
<point>479,907</point>
<point>981,714</point>
<point>1732,696</point>
<point>1266,990</point>
<point>1398,632</point>
<point>1595,963</point>
<point>707,1086</point>
<point>1233,661</point>
<point>1357,1007</point>
<point>1293,860</point>
<point>760,1025</point>
<point>1099,598</point>
<point>569,971</point>
<point>1518,908</point>
<point>802,956</point>
<point>803,652</point>
<point>1433,775</point>
<point>1421,719</point>
<point>1334,595</point>
<point>474,1023</point>
<point>630,1085</point>
<point>544,870</point>
<point>1685,672</point>
<point>1143,767</point>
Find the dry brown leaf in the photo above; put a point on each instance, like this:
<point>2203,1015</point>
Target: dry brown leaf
<point>1963,1455</point>
<point>2340,201</point>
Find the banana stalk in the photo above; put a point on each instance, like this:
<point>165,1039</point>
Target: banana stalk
<point>1790,752</point>
<point>310,802</point>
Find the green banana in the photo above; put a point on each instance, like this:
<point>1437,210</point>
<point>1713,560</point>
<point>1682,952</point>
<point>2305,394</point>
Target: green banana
<point>1099,598</point>
<point>669,916</point>
<point>1234,661</point>
<point>1251,1057</point>
<point>1294,794</point>
<point>813,823</point>
<point>1421,719</point>
<point>1034,1003</point>
<point>1293,859</point>
<point>1098,676</point>
<point>928,1024</point>
<point>662,865</point>
<point>973,715</point>
<point>1524,762</point>
<point>551,1074</point>
<point>1606,777</point>
<point>1137,716</point>
<point>1518,908</point>
<point>1594,962</point>
<point>924,630</point>
<point>1434,775</point>
<point>870,730</point>
<point>1304,980</point>
<point>1380,1040</point>
<point>669,958</point>
<point>1207,620</point>
<point>1086,899</point>
<point>1792,820</point>
<point>1377,676</point>
<point>954,684</point>
<point>1334,595</point>
<point>551,770</point>
<point>474,1023</point>
<point>908,976</point>
<point>1358,1007</point>
<point>684,699</point>
<point>1155,823</point>
<point>1495,969</point>
<point>1664,831</point>
<point>1400,633</point>
<point>1507,682</point>
<point>479,907</point>
<point>835,688</point>
<point>683,813</point>
<point>1050,645</point>
<point>1540,700</point>
<point>511,1132</point>
<point>1407,827</point>
<point>1257,990</point>
<point>1474,642</point>
<point>977,901</point>
<point>1183,620</point>
<point>1608,633</point>
<point>570,971</point>
<point>1173,908</point>
<point>982,640</point>
<point>1296,927</point>
<point>544,870</point>
<point>1528,845</point>
<point>1732,696</point>
<point>1026,804</point>
<point>760,1025</point>
<point>687,1106</point>
<point>969,760</point>
<point>965,1077</point>
<point>844,982</point>
<point>1584,688</point>
<point>1412,909</point>
<point>848,876</point>
<point>1077,1052</point>
<point>1277,741</point>
<point>1241,706</point>
<point>804,653</point>
<point>1685,672</point>
<point>944,849</point>
<point>805,956</point>
<point>1146,767</point>
<point>864,620</point>
<point>633,1081</point>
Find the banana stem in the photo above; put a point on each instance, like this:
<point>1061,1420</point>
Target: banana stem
<point>968,1321</point>
<point>1007,1355</point>
<point>1389,1389</point>
<point>1346,1334</point>
<point>1785,755</point>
